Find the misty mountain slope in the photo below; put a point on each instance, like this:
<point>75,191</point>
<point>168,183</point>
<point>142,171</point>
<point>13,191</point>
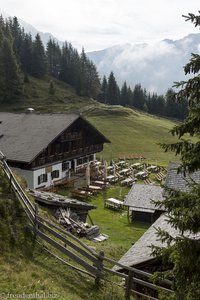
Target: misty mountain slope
<point>156,66</point>
<point>28,28</point>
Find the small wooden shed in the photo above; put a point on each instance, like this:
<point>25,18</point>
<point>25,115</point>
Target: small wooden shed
<point>139,202</point>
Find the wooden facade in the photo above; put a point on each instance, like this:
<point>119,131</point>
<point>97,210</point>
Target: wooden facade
<point>79,140</point>
<point>146,216</point>
<point>44,148</point>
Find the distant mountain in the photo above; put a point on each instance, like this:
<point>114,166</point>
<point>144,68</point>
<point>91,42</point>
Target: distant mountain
<point>156,66</point>
<point>28,28</point>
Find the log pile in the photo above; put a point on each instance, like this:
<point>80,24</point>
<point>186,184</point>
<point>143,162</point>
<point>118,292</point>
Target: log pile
<point>73,224</point>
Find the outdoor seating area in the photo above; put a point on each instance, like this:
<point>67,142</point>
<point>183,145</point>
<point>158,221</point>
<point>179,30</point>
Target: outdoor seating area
<point>99,175</point>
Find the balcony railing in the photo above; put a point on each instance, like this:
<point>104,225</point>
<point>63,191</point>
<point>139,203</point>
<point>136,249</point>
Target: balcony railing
<point>71,136</point>
<point>67,155</point>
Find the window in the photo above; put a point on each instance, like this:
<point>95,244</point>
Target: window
<point>65,165</point>
<point>42,178</point>
<point>55,174</point>
<point>85,160</point>
<point>91,157</point>
<point>79,161</point>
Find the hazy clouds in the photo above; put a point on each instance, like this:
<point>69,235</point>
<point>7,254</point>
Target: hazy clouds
<point>97,24</point>
<point>156,66</point>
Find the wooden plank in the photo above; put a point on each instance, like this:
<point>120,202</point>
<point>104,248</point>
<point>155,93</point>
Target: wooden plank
<point>144,296</point>
<point>65,251</point>
<point>136,271</point>
<point>27,208</point>
<point>68,234</point>
<point>65,262</point>
<point>16,186</point>
<point>67,242</point>
<point>23,194</point>
<point>99,265</point>
<point>129,282</point>
<point>151,285</point>
<point>123,275</point>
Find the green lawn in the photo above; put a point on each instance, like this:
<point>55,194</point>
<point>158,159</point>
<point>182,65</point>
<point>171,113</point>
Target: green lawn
<point>133,132</point>
<point>128,130</point>
<point>27,268</point>
<point>114,223</point>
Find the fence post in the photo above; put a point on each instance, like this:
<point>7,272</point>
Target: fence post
<point>129,282</point>
<point>99,265</point>
<point>35,221</point>
<point>10,184</point>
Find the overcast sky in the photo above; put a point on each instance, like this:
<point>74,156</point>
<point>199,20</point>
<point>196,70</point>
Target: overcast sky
<point>97,24</point>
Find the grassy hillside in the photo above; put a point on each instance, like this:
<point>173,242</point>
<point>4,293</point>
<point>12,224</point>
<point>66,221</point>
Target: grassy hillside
<point>132,132</point>
<point>36,94</point>
<point>27,268</point>
<point>129,131</point>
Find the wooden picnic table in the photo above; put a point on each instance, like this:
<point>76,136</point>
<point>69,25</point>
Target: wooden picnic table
<point>127,181</point>
<point>153,168</point>
<point>100,183</point>
<point>142,174</point>
<point>135,165</point>
<point>125,171</point>
<point>95,187</point>
<point>113,203</point>
<point>110,168</point>
<point>112,178</point>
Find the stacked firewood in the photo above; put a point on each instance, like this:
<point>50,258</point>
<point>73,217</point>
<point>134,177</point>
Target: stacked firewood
<point>73,224</point>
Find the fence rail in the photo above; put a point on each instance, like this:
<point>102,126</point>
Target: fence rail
<point>93,263</point>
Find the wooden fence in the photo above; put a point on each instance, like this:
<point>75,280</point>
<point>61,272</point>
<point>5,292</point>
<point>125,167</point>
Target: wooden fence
<point>73,249</point>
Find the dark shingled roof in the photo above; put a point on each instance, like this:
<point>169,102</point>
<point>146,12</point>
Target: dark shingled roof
<point>140,196</point>
<point>26,135</point>
<point>141,251</point>
<point>178,181</point>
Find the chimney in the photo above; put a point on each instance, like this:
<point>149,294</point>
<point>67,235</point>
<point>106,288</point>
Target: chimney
<point>30,110</point>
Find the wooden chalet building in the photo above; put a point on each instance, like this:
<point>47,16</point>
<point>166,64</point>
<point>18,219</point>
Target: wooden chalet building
<point>45,148</point>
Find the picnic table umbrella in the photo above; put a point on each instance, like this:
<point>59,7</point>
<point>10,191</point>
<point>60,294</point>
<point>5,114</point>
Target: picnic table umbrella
<point>87,174</point>
<point>105,169</point>
<point>114,170</point>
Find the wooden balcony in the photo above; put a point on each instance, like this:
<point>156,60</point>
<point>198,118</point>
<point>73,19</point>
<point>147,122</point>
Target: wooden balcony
<point>67,155</point>
<point>71,136</point>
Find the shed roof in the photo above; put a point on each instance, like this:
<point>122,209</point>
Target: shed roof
<point>26,135</point>
<point>178,181</point>
<point>59,200</point>
<point>140,197</point>
<point>141,251</point>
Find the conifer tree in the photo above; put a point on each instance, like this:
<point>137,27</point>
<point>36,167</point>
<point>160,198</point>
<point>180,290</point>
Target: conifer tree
<point>17,35</point>
<point>53,54</point>
<point>38,66</point>
<point>124,95</point>
<point>183,251</point>
<point>139,97</point>
<point>26,54</point>
<point>102,97</point>
<point>113,92</point>
<point>10,81</point>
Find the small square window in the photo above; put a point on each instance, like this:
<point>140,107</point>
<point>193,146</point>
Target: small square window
<point>42,178</point>
<point>65,165</point>
<point>55,174</point>
<point>79,161</point>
